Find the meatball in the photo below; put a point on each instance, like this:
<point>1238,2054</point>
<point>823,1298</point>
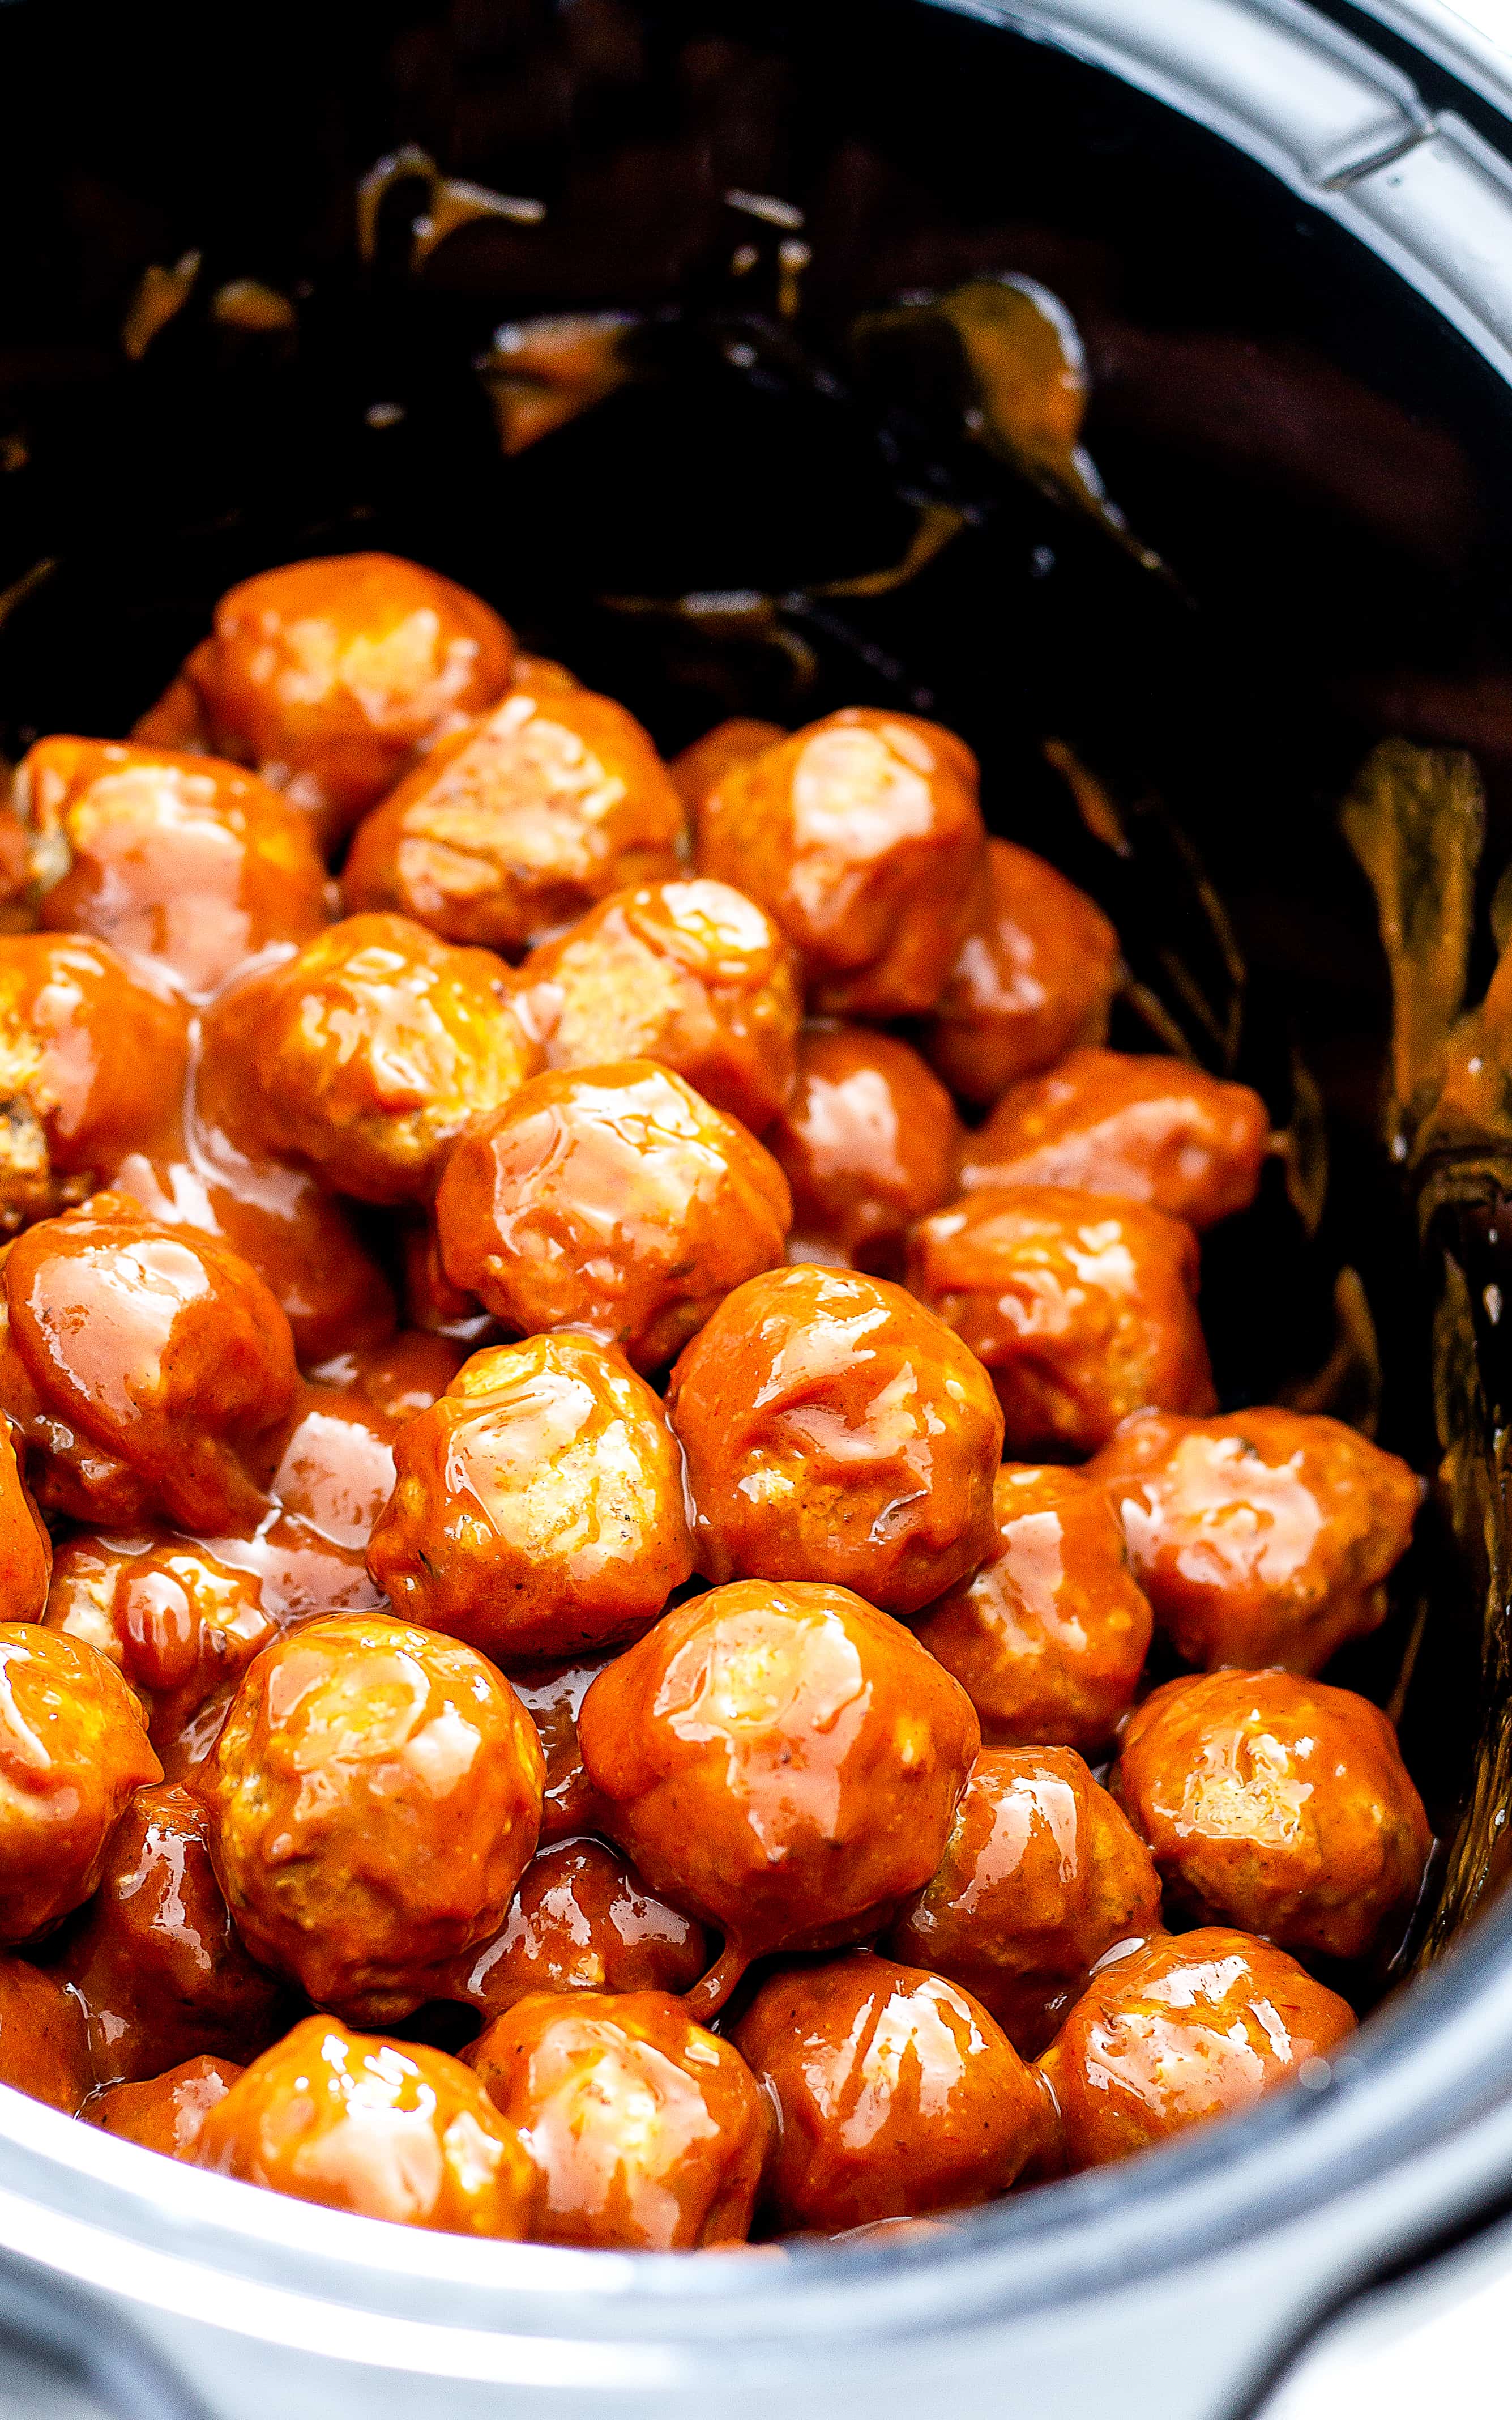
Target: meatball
<point>26,1548</point>
<point>552,1694</point>
<point>432,1303</point>
<point>1049,1636</point>
<point>387,2128</point>
<point>611,1200</point>
<point>783,1762</point>
<point>897,2094</point>
<point>336,1473</point>
<point>165,2112</point>
<point>148,1368</point>
<point>691,974</point>
<point>1279,1804</point>
<point>868,1143</point>
<point>1151,1130</point>
<point>1261,1539</point>
<point>646,2132</point>
<point>539,1506</point>
<point>44,2042</point>
<point>1042,1873</point>
<point>519,822</point>
<point>863,836</point>
<point>92,1066</point>
<point>327,676</point>
<point>365,1058</point>
<point>1084,1308</point>
<point>73,1746</point>
<point>181,861</point>
<point>397,1377</point>
<point>581,1920</point>
<point>1035,977</point>
<point>154,1960</point>
<point>835,1430</point>
<point>701,768</point>
<point>1179,2030</point>
<point>375,1797</point>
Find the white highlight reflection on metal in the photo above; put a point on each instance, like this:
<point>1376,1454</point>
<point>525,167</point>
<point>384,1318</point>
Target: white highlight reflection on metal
<point>1474,40</point>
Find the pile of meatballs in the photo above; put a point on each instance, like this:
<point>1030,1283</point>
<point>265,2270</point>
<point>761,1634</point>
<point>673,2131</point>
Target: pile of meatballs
<point>602,1412</point>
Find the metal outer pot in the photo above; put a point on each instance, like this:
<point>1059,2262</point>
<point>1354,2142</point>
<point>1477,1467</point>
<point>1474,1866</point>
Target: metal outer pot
<point>1180,2285</point>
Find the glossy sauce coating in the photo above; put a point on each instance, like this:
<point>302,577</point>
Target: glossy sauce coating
<point>863,837</point>
<point>1262,1538</point>
<point>869,1142</point>
<point>389,2130</point>
<point>26,1548</point>
<point>1042,1874</point>
<point>1048,1636</point>
<point>165,2112</point>
<point>1276,1803</point>
<point>836,1431</point>
<point>581,1920</point>
<point>1083,1308</point>
<point>337,1470</point>
<point>1034,978</point>
<point>897,2094</point>
<point>539,1506</point>
<point>397,1377</point>
<point>611,1200</point>
<point>73,1746</point>
<point>45,2042</point>
<point>701,767</point>
<point>517,824</point>
<point>1183,2028</point>
<point>375,1797</point>
<point>552,1694</point>
<point>783,1762</point>
<point>646,2132</point>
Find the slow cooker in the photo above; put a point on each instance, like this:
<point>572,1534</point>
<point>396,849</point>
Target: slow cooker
<point>278,285</point>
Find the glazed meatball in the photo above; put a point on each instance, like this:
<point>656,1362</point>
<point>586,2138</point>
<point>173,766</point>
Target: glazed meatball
<point>1179,2030</point>
<point>182,861</point>
<point>336,1473</point>
<point>868,1143</point>
<point>783,1762</point>
<point>26,1548</point>
<point>327,676</point>
<point>1049,1635</point>
<point>154,1960</point>
<point>1261,1539</point>
<point>375,1797</point>
<point>365,1058</point>
<point>552,1694</point>
<point>386,2129</point>
<point>518,823</point>
<point>835,1430</point>
<point>646,2132</point>
<point>700,769</point>
<point>895,2092</point>
<point>73,1746</point>
<point>431,1302</point>
<point>165,2112</point>
<point>45,2042</point>
<point>581,1920</point>
<point>1279,1804</point>
<point>1084,1308</point>
<point>92,1066</point>
<point>863,837</point>
<point>1035,977</point>
<point>540,1506</point>
<point>691,974</point>
<point>1042,1874</point>
<point>397,1376</point>
<point>1151,1130</point>
<point>611,1200</point>
<point>147,1368</point>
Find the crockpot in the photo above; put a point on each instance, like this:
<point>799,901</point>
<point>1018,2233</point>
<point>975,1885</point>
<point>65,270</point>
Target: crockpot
<point>263,297</point>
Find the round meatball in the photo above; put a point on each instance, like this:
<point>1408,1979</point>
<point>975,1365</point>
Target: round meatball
<point>375,1797</point>
<point>1279,1804</point>
<point>835,1430</point>
<point>611,1200</point>
<point>165,2112</point>
<point>700,767</point>
<point>691,974</point>
<point>1049,1635</point>
<point>337,1469</point>
<point>365,1057</point>
<point>387,2128</point>
<point>519,822</point>
<point>863,836</point>
<point>552,1694</point>
<point>581,1920</point>
<point>73,1746</point>
<point>783,1762</point>
<point>539,1506</point>
<point>1266,1538</point>
<point>45,2042</point>
<point>1034,976</point>
<point>896,2093</point>
<point>148,1369</point>
<point>92,1066</point>
<point>1041,1875</point>
<point>646,2132</point>
<point>181,861</point>
<point>1151,1130</point>
<point>26,1546</point>
<point>395,1376</point>
<point>1084,1308</point>
<point>868,1143</point>
<point>1179,2030</point>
